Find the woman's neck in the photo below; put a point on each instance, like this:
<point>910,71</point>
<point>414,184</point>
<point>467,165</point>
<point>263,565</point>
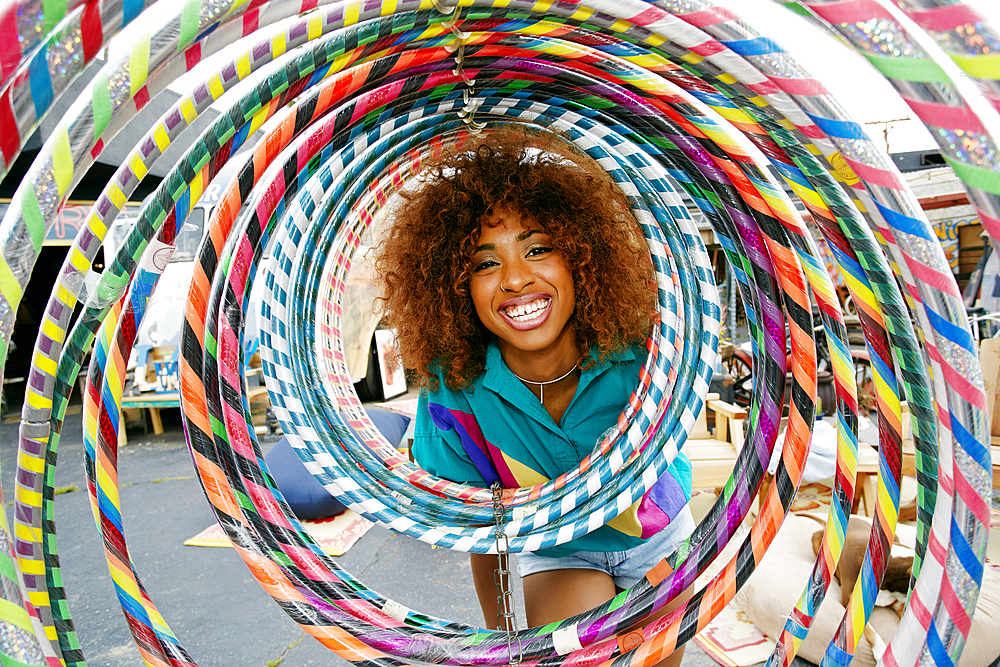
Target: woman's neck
<point>540,365</point>
<point>551,374</point>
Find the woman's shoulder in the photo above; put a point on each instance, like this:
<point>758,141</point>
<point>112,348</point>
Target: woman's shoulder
<point>437,388</point>
<point>630,354</point>
<point>632,351</point>
<point>437,371</point>
<point>616,375</point>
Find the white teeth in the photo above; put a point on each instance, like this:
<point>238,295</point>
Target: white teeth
<point>526,311</point>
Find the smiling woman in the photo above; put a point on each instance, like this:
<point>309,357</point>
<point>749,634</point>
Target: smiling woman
<point>522,295</point>
<point>427,262</point>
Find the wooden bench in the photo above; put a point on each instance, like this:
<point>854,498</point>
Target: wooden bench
<point>154,403</point>
<point>714,456</point>
<point>867,490</point>
<point>995,453</point>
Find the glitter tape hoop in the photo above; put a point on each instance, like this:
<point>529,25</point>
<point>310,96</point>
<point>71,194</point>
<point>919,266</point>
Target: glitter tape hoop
<point>604,73</point>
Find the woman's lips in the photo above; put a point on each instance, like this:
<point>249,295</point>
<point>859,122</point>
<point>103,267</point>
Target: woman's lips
<point>535,317</point>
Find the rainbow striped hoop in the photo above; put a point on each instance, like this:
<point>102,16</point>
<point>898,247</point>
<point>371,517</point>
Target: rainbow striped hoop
<point>669,97</point>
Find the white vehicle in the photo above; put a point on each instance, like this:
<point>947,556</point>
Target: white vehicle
<point>162,324</point>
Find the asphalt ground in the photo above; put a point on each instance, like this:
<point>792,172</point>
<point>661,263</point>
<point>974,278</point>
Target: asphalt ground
<point>215,607</point>
<point>218,611</point>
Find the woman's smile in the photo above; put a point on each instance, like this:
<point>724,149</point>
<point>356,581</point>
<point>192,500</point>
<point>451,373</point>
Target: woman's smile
<point>528,311</point>
<point>523,292</point>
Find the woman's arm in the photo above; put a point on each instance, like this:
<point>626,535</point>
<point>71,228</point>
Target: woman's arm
<point>438,449</point>
<point>441,453</point>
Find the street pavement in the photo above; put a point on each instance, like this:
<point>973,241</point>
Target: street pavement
<point>220,614</point>
<point>217,610</point>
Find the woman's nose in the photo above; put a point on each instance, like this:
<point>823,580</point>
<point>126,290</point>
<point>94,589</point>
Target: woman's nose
<point>517,276</point>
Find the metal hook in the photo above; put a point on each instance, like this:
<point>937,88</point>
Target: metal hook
<point>460,35</point>
<point>452,24</point>
<point>459,71</point>
<point>444,9</point>
<point>468,112</point>
<point>477,127</point>
<point>464,75</point>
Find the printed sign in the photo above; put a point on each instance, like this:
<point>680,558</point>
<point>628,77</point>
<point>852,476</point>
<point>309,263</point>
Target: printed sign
<point>389,363</point>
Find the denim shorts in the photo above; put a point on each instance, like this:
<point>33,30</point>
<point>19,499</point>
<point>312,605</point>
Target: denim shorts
<point>625,567</point>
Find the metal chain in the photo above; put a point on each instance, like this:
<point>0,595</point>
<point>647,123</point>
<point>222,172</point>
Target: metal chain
<point>468,112</point>
<point>506,620</point>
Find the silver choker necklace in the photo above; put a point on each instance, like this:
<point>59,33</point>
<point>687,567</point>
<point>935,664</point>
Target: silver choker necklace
<point>541,385</point>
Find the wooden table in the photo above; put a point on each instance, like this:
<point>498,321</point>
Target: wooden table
<point>866,488</point>
<point>995,455</point>
<point>154,402</point>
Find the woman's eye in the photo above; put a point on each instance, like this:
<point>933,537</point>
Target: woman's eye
<point>539,250</point>
<point>483,265</point>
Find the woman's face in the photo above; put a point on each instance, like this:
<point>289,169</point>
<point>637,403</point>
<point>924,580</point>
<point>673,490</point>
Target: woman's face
<point>522,289</point>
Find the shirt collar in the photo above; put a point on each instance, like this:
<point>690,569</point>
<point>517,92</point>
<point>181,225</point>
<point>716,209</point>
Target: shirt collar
<point>498,378</point>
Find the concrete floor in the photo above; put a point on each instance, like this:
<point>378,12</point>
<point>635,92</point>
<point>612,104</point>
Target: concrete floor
<point>207,595</point>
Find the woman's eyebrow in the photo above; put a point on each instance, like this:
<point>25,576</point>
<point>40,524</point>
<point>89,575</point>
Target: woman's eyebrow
<point>520,237</point>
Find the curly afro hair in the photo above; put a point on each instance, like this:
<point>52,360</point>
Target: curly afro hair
<point>426,260</point>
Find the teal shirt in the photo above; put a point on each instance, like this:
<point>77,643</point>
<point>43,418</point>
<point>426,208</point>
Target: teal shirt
<point>503,426</point>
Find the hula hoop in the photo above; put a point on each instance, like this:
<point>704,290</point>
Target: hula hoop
<point>604,73</point>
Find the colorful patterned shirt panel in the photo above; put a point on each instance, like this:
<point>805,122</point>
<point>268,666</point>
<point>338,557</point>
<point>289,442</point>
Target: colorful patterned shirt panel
<point>500,430</point>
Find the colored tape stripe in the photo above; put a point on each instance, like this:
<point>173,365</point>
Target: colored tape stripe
<point>41,83</point>
<point>916,70</point>
<point>981,178</point>
<point>944,18</point>
<point>754,47</point>
<point>946,115</point>
<point>986,66</point>
<point>10,43</point>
